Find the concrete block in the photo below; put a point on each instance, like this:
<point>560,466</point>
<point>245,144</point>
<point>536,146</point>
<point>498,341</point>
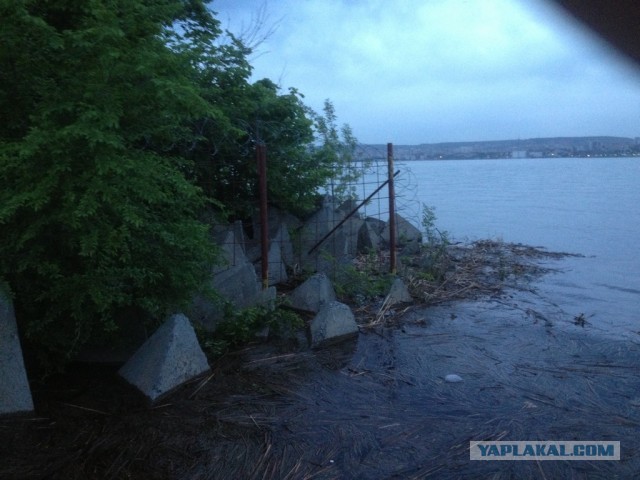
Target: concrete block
<point>169,358</point>
<point>398,293</point>
<point>280,224</point>
<point>315,292</point>
<point>15,394</point>
<point>406,232</point>
<point>370,235</point>
<point>277,272</point>
<point>334,322</point>
<point>235,281</point>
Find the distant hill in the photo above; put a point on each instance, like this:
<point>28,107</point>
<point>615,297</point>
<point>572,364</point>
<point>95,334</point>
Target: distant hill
<point>521,148</point>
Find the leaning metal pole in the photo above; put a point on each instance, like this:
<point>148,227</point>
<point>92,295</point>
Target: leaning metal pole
<point>350,214</point>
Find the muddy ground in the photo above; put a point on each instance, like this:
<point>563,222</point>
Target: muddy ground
<point>373,408</point>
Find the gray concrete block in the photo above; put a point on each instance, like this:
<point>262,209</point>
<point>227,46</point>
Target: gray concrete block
<point>231,243</point>
<point>283,239</point>
<point>280,224</point>
<point>335,321</point>
<point>328,251</point>
<point>277,272</point>
<point>398,293</point>
<point>315,292</point>
<point>319,224</point>
<point>406,232</point>
<point>235,280</point>
<point>15,394</point>
<point>350,230</point>
<point>370,235</point>
<point>169,358</point>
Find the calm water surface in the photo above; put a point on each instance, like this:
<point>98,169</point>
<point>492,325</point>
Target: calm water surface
<point>588,206</point>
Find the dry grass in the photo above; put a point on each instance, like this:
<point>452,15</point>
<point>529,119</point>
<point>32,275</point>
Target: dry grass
<point>480,269</point>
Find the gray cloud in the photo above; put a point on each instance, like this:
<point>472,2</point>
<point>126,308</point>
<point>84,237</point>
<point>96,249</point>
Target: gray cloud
<point>413,71</point>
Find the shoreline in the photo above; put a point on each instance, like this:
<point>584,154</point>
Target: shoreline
<point>370,408</point>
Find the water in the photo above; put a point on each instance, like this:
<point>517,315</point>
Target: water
<point>587,206</point>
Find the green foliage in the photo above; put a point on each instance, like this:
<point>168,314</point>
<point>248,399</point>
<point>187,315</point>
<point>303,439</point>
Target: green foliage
<point>305,151</point>
<point>434,237</point>
<point>362,280</point>
<point>121,122</point>
<point>434,251</point>
<point>259,114</point>
<point>335,153</point>
<point>283,322</point>
<point>241,327</point>
<point>248,114</point>
<point>95,210</point>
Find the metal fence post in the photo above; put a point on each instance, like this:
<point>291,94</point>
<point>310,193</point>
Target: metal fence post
<point>261,156</point>
<point>392,212</point>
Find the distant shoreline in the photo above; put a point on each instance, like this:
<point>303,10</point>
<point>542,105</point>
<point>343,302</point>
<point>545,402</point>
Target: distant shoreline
<point>554,147</point>
<point>583,157</point>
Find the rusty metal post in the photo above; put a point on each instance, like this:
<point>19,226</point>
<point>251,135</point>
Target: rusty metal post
<point>392,212</point>
<point>261,156</point>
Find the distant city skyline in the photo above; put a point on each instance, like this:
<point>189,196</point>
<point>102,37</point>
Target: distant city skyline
<point>444,70</point>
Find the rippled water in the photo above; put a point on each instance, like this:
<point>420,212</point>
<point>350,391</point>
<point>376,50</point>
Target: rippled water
<point>588,206</point>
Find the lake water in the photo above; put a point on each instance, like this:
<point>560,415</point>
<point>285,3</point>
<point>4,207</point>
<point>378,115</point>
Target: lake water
<point>587,206</point>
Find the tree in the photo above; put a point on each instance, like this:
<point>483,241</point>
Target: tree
<point>120,122</point>
<point>260,114</point>
<point>96,212</point>
<point>249,114</point>
<point>306,152</point>
<point>335,151</point>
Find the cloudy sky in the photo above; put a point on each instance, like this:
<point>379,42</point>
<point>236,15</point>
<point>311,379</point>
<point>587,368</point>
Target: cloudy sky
<point>425,71</point>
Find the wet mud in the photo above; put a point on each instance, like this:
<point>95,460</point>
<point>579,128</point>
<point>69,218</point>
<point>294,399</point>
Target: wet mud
<point>374,408</point>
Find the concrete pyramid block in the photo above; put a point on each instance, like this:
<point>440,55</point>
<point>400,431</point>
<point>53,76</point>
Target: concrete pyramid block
<point>313,293</point>
<point>335,321</point>
<point>15,394</point>
<point>398,293</point>
<point>370,235</point>
<point>169,358</point>
<point>406,232</point>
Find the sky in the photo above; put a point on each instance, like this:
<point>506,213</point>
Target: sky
<point>428,71</point>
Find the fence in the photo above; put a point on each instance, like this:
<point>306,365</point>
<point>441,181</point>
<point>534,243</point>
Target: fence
<point>356,218</point>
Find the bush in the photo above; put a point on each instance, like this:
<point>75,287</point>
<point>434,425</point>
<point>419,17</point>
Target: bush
<point>434,259</point>
<point>363,279</point>
<point>119,121</point>
<point>96,216</point>
<point>241,327</point>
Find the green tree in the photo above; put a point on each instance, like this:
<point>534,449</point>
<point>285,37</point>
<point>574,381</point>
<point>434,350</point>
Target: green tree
<point>261,115</point>
<point>120,122</point>
<point>335,152</point>
<point>306,151</point>
<point>96,214</point>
